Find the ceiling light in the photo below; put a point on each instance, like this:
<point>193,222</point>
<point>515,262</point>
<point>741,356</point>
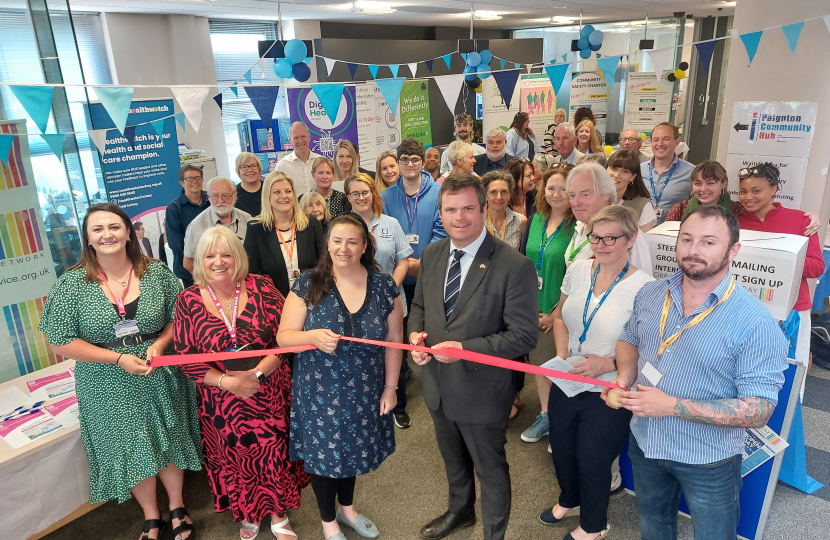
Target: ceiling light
<point>562,20</point>
<point>376,8</point>
<point>483,15</point>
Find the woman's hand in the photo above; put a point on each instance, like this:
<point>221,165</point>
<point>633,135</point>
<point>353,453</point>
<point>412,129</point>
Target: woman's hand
<point>593,366</point>
<point>152,351</point>
<point>546,322</point>
<point>815,222</point>
<point>388,400</point>
<point>420,358</point>
<point>134,365</point>
<point>324,339</point>
<point>242,384</point>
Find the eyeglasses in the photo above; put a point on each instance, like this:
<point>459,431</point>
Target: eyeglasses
<point>766,170</point>
<point>360,194</point>
<point>223,197</point>
<point>408,161</point>
<point>192,179</point>
<point>607,240</point>
<point>629,139</point>
<point>248,167</point>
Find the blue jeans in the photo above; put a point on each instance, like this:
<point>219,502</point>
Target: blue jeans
<point>711,492</point>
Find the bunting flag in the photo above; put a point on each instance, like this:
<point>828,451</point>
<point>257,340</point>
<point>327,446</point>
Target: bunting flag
<point>391,90</point>
<point>450,86</point>
<point>429,65</point>
<point>129,134</point>
<point>6,147</point>
<point>180,120</point>
<point>394,69</point>
<point>413,67</point>
<point>55,142</point>
<point>373,69</point>
<point>37,100</point>
<point>235,91</point>
<point>261,65</point>
<point>99,139</point>
<point>529,67</point>
<point>329,96</point>
<point>352,68</point>
<point>506,81</point>
<point>218,99</point>
<point>447,59</point>
<point>330,65</point>
<point>792,32</point>
<point>659,57</point>
<point>248,76</point>
<point>556,74</point>
<point>158,126</point>
<point>307,60</point>
<point>191,99</point>
<point>517,65</point>
<point>565,57</point>
<point>464,57</point>
<point>704,51</point>
<point>751,41</point>
<point>116,101</point>
<point>608,66</point>
<point>263,98</point>
<point>502,62</point>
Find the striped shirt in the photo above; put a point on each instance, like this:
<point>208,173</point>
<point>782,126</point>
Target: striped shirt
<point>737,351</point>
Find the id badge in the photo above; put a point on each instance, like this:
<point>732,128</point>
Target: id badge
<point>540,281</point>
<point>650,372</point>
<point>125,328</point>
<point>658,212</point>
<point>412,238</point>
<point>231,349</point>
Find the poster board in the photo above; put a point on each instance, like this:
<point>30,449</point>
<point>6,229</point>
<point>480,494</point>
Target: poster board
<point>647,101</point>
<point>414,112</point>
<point>538,100</point>
<point>590,90</point>
<point>494,111</point>
<point>366,132</point>
<point>303,106</point>
<point>793,175</point>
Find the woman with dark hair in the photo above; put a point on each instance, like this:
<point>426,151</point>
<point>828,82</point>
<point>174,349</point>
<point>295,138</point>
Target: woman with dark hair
<point>521,142</point>
<point>624,168</point>
<point>344,391</point>
<point>112,312</point>
<point>710,185</point>
<point>502,222</point>
<point>523,198</point>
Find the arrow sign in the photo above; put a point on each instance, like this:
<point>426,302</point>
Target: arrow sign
<point>740,127</point>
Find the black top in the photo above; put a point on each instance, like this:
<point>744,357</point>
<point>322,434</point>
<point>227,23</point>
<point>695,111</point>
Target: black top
<point>366,171</point>
<point>179,214</point>
<point>131,309</point>
<point>249,202</point>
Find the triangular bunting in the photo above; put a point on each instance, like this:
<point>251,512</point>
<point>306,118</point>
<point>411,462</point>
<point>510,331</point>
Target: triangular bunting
<point>235,91</point>
<point>608,66</point>
<point>37,100</point>
<point>450,86</point>
<point>394,69</point>
<point>565,57</point>
<point>261,65</point>
<point>506,81</point>
<point>373,69</point>
<point>158,126</point>
<point>55,142</point>
<point>6,147</point>
<point>329,96</point>
<point>792,33</point>
<point>129,134</point>
<point>307,60</point>
<point>180,120</point>
<point>218,99</point>
<point>391,90</point>
<point>529,67</point>
<point>352,68</point>
<point>429,66</point>
<point>517,65</point>
<point>447,59</point>
<point>464,56</point>
<point>751,41</point>
<point>248,76</point>
<point>99,139</point>
<point>413,67</point>
<point>191,99</point>
<point>329,64</point>
<point>556,74</point>
<point>116,101</point>
<point>263,98</point>
<point>659,57</point>
<point>704,51</point>
<point>502,62</point>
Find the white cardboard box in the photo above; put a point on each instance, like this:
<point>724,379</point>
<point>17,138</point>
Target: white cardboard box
<point>768,265</point>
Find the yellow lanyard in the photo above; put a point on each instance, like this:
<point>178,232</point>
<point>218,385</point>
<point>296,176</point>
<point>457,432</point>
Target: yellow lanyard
<point>664,317</point>
<point>493,229</point>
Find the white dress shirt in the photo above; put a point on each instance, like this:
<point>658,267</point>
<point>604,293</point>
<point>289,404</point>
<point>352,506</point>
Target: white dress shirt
<point>466,259</point>
<point>299,172</point>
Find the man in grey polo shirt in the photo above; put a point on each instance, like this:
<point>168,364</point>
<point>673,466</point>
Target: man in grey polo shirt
<point>667,177</point>
<point>222,194</point>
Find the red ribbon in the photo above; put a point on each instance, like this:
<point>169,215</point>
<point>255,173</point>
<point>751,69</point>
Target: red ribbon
<point>470,356</point>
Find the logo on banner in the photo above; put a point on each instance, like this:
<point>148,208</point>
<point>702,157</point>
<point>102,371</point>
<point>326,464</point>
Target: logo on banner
<point>19,234</point>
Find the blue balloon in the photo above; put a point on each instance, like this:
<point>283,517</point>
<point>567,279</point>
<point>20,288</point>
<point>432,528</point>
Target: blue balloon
<point>585,53</point>
<point>301,71</point>
<point>473,59</point>
<point>282,68</point>
<point>295,51</point>
<point>483,70</point>
<point>582,43</point>
<point>486,56</point>
<point>471,70</point>
<point>586,30</point>
<point>595,47</point>
<point>595,38</point>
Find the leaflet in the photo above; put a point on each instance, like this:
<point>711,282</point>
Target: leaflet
<point>65,411</point>
<point>52,386</point>
<point>760,444</point>
<point>13,398</point>
<point>570,388</point>
<point>28,428</point>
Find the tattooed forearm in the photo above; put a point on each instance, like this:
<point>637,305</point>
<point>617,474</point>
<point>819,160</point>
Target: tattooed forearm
<point>749,412</point>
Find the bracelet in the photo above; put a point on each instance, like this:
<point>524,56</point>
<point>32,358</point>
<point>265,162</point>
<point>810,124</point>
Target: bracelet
<point>219,382</point>
<point>118,359</point>
<point>390,387</point>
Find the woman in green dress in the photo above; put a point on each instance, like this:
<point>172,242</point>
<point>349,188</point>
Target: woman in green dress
<point>113,312</point>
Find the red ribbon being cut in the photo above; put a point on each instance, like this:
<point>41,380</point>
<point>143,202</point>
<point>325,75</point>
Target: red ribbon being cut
<point>470,356</point>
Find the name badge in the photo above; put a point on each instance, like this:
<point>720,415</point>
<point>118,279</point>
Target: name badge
<point>412,238</point>
<point>540,281</point>
<point>125,328</point>
<point>658,211</point>
<point>650,372</point>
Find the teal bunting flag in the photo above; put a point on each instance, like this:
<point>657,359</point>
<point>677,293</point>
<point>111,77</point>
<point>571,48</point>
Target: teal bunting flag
<point>329,96</point>
<point>391,90</point>
<point>502,62</point>
<point>608,66</point>
<point>181,120</point>
<point>373,69</point>
<point>751,41</point>
<point>307,60</point>
<point>55,142</point>
<point>6,147</point>
<point>158,126</point>
<point>447,59</point>
<point>394,69</point>
<point>556,74</point>
<point>37,100</point>
<point>235,91</point>
<point>248,76</point>
<point>464,56</point>
<point>116,101</point>
<point>792,32</point>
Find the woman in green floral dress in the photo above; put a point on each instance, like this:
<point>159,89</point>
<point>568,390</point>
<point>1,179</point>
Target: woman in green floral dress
<point>112,312</point>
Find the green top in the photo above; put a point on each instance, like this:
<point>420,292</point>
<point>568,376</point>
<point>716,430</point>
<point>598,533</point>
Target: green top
<point>553,259</point>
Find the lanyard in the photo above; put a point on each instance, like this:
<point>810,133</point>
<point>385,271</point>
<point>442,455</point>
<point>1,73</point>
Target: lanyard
<point>493,229</point>
<point>666,183</point>
<point>574,252</point>
<point>586,321</point>
<point>289,247</point>
<point>230,324</point>
<point>414,213</point>
<point>664,317</point>
<point>119,301</point>
<point>543,246</point>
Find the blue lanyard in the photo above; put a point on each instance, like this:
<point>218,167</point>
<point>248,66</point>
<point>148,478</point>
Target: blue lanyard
<point>544,245</point>
<point>586,321</point>
<point>651,181</point>
<point>414,213</point>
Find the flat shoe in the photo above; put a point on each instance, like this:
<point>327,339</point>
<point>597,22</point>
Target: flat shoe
<point>362,525</point>
<point>338,536</point>
<point>601,534</point>
<point>547,517</point>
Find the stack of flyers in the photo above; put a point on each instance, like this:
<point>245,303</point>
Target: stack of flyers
<point>52,386</point>
<point>28,428</point>
<point>65,411</point>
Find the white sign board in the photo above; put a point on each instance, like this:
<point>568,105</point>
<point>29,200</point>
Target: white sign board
<point>387,125</point>
<point>590,90</point>
<point>772,128</point>
<point>793,174</point>
<point>647,101</point>
<point>494,112</point>
<point>366,132</point>
<point>538,100</point>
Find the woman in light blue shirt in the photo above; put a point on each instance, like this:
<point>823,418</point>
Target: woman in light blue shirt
<point>521,142</point>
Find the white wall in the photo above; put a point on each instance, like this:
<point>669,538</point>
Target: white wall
<point>168,49</point>
<point>777,75</point>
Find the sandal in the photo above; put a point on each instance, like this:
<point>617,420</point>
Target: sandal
<point>279,528</point>
<point>151,524</point>
<point>184,526</point>
<point>517,407</point>
<point>248,527</point>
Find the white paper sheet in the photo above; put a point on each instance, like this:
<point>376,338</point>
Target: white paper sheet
<point>570,388</point>
<point>65,411</point>
<point>27,429</point>
<point>52,386</point>
<point>12,398</point>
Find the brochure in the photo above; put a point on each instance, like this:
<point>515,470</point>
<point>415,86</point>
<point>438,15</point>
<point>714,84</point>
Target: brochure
<point>52,386</point>
<point>760,445</point>
<point>28,428</point>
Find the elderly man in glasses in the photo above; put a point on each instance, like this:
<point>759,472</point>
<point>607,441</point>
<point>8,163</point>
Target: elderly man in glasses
<point>631,139</point>
<point>222,195</point>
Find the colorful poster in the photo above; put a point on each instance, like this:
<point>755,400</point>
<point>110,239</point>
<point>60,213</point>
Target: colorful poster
<point>306,108</point>
<point>387,123</point>
<point>27,270</point>
<point>366,133</point>
<point>647,101</point>
<point>772,128</point>
<point>590,90</point>
<point>494,112</point>
<point>539,101</point>
<point>415,121</point>
<point>793,175</point>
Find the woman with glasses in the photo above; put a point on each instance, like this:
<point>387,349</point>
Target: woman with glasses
<point>345,157</point>
<point>624,168</point>
<point>386,170</point>
<point>587,140</point>
<point>249,190</point>
<point>523,197</point>
<point>759,184</point>
<point>521,142</point>
<point>323,172</point>
<point>314,204</point>
<point>461,158</point>
<point>283,240</point>
<point>596,301</point>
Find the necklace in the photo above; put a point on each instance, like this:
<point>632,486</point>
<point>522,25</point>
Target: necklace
<point>122,282</point>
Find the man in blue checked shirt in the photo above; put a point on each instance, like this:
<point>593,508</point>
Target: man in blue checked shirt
<point>708,361</point>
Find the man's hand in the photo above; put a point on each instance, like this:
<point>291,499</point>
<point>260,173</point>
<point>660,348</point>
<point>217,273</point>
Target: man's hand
<point>620,381</point>
<point>443,345</point>
<point>415,338</point>
<point>648,402</point>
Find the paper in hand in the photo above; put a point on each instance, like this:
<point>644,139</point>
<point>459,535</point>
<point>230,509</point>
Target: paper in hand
<point>570,388</point>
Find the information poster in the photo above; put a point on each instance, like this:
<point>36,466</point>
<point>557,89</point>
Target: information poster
<point>772,128</point>
<point>306,108</point>
<point>366,133</point>
<point>142,179</point>
<point>27,270</point>
<point>647,101</point>
<point>415,122</point>
<point>387,124</point>
<point>494,113</point>
<point>590,90</point>
<point>538,100</point>
<point>793,174</point>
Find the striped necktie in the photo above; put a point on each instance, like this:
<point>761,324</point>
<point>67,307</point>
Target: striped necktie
<point>453,286</point>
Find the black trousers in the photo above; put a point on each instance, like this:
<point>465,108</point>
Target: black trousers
<point>409,293</point>
<point>471,450</point>
<point>330,490</point>
<point>586,435</point>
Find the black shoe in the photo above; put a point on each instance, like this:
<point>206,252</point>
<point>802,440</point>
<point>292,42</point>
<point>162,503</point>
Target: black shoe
<point>447,523</point>
<point>402,419</point>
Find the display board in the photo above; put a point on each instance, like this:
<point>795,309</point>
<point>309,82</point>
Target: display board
<point>366,132</point>
<point>494,111</point>
<point>414,108</point>
<point>793,175</point>
<point>303,106</point>
<point>647,101</point>
<point>387,124</point>
<point>590,90</point>
<point>538,100</point>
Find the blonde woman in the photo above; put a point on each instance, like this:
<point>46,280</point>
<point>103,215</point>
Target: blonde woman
<point>315,205</point>
<point>283,240</point>
<point>323,171</point>
<point>461,159</point>
<point>386,170</point>
<point>345,157</point>
<point>587,140</point>
<point>249,190</point>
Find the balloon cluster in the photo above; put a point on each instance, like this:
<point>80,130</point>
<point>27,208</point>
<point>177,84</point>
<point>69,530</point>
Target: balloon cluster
<point>477,68</point>
<point>590,40</point>
<point>679,73</point>
<point>293,65</point>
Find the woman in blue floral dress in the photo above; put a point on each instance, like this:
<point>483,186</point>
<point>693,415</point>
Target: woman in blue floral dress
<point>343,391</point>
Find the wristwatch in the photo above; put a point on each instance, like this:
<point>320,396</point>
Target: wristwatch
<point>260,376</point>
